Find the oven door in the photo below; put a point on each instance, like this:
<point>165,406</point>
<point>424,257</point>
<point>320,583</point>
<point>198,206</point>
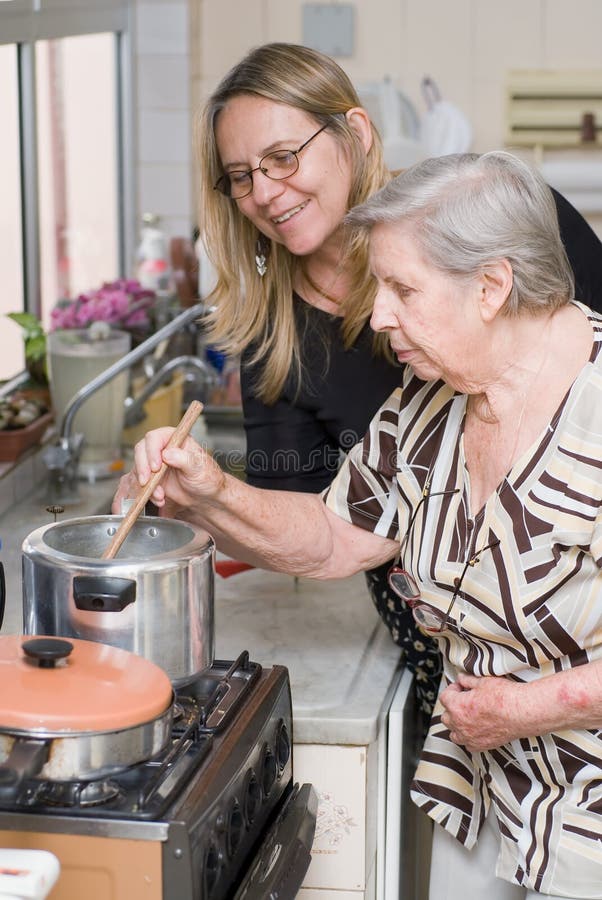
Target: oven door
<point>284,856</point>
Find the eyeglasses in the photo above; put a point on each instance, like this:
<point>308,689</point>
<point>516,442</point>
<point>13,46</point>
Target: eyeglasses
<point>428,618</point>
<point>277,166</point>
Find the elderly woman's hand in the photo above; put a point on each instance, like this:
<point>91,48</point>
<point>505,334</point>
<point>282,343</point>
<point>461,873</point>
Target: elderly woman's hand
<point>192,474</point>
<point>484,713</point>
<point>481,713</point>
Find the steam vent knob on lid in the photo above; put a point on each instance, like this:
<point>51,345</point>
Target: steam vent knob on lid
<point>47,651</point>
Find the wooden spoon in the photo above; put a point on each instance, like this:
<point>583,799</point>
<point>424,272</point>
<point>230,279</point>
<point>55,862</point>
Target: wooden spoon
<point>177,438</point>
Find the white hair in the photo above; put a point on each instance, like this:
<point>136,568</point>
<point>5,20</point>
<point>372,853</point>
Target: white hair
<point>467,210</point>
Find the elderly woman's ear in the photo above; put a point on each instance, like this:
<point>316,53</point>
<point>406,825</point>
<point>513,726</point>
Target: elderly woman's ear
<point>495,284</point>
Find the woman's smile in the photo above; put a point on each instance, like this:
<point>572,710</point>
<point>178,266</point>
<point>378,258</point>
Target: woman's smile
<point>281,219</point>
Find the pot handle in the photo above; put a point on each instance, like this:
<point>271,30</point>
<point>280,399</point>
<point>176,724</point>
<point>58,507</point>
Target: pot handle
<point>2,593</point>
<point>26,758</point>
<point>97,593</point>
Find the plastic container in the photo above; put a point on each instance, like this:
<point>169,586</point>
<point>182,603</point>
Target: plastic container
<point>153,269</point>
<point>164,407</point>
<point>27,873</point>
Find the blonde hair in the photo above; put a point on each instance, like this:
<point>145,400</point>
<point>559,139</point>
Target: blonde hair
<point>259,310</point>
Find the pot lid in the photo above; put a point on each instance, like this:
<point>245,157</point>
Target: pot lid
<point>57,685</point>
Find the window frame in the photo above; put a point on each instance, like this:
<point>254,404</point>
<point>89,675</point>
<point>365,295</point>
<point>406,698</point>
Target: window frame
<point>22,23</point>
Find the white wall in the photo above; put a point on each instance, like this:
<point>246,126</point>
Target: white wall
<point>162,108</point>
<point>183,47</point>
<point>465,45</point>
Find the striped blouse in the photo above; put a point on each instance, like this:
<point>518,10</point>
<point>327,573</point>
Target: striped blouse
<point>531,606</point>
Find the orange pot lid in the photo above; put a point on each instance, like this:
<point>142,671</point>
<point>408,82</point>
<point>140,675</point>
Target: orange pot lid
<point>94,688</point>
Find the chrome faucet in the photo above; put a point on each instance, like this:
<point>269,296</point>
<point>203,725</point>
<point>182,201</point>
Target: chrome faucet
<point>134,406</point>
<point>62,457</point>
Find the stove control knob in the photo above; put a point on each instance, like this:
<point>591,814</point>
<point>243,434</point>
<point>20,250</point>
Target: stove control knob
<point>251,797</point>
<point>235,829</point>
<point>269,771</point>
<point>212,864</point>
<point>220,823</point>
<point>283,746</point>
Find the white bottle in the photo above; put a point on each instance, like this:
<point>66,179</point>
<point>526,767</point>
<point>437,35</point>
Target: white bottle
<point>153,269</point>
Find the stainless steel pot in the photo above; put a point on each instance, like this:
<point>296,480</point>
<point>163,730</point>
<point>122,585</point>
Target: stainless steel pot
<point>155,598</point>
<point>77,710</point>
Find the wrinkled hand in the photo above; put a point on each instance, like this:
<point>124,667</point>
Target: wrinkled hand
<point>482,713</point>
<point>192,474</point>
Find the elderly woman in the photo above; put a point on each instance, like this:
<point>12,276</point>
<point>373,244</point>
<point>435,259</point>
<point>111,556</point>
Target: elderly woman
<point>479,479</point>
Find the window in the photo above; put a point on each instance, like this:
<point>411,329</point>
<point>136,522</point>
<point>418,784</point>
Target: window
<point>11,247</point>
<point>77,165</point>
<point>64,156</point>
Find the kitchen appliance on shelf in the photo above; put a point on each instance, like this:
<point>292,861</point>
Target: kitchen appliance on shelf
<point>214,815</point>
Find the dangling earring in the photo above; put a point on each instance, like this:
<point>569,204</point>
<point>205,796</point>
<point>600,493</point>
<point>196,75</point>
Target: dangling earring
<point>262,252</point>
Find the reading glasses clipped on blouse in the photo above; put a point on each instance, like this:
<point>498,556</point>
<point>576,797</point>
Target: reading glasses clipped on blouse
<point>429,619</point>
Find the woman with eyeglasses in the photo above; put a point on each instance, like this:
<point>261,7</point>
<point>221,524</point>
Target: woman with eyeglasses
<point>479,481</point>
<point>286,149</point>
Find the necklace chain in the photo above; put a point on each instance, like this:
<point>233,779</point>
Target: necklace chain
<point>318,289</point>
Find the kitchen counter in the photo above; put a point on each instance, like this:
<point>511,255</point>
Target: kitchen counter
<point>341,659</point>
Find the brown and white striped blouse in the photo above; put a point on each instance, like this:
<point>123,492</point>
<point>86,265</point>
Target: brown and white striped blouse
<point>530,607</point>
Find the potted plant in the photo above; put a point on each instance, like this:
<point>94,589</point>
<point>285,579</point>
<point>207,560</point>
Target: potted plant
<point>24,414</point>
<point>122,304</point>
<point>34,338</point>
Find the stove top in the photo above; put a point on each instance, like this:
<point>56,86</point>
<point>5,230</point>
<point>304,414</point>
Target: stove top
<point>205,804</point>
<point>203,709</point>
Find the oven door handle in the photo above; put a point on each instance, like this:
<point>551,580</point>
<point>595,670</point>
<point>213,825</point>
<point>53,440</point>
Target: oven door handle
<point>284,855</point>
<point>2,593</point>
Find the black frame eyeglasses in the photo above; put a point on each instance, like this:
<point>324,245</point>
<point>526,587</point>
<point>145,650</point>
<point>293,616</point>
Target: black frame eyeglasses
<point>277,165</point>
<point>428,618</point>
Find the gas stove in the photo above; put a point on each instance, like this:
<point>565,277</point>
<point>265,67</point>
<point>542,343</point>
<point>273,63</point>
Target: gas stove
<point>216,815</point>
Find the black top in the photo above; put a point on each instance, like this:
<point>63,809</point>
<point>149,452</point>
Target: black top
<point>295,444</point>
<point>584,251</point>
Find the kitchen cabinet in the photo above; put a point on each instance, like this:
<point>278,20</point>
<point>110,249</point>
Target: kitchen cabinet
<point>354,726</point>
<point>344,848</point>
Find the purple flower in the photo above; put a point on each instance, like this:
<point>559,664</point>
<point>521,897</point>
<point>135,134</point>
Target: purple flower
<point>123,303</point>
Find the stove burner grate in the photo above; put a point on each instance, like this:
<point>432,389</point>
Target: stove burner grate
<point>79,794</point>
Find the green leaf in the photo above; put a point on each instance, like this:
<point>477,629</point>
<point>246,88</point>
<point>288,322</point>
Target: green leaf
<point>35,347</point>
<point>29,323</point>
